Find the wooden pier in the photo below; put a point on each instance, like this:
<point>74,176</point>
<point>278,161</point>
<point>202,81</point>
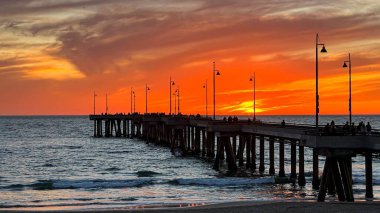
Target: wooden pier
<point>223,141</point>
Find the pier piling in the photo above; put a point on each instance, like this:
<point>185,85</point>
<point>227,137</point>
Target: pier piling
<point>281,172</point>
<point>261,167</point>
<point>271,156</point>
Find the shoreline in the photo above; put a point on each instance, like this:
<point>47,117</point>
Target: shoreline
<point>236,206</point>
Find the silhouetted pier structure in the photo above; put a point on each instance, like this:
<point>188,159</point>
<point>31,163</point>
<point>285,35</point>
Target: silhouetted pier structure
<point>235,143</point>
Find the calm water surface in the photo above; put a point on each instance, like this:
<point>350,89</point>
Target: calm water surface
<point>53,162</point>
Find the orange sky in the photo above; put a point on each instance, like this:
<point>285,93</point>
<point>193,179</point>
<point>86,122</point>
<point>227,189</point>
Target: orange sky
<point>55,54</point>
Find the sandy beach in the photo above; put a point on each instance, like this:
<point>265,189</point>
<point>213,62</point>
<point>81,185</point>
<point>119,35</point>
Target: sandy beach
<point>242,207</point>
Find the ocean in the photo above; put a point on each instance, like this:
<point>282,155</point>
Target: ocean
<point>54,162</point>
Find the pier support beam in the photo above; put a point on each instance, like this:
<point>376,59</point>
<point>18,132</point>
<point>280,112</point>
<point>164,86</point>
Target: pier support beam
<point>231,158</point>
<point>204,142</point>
<point>315,182</point>
<point>368,175</point>
<point>261,167</point>
<point>241,150</point>
<point>234,144</point>
<point>301,166</point>
<point>197,145</point>
<point>253,151</point>
<point>125,128</point>
<point>217,158</point>
<point>281,172</point>
<point>211,144</point>
<point>95,128</point>
<point>248,151</point>
<point>293,153</point>
<point>336,175</point>
<point>271,156</point>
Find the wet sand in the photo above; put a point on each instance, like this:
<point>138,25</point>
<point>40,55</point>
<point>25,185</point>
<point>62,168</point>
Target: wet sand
<point>248,206</point>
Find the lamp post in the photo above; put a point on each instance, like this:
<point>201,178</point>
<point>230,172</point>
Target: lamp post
<point>349,78</point>
<point>94,102</point>
<point>178,100</point>
<point>323,50</point>
<point>205,87</point>
<point>132,100</point>
<point>106,104</point>
<point>171,83</point>
<point>253,79</point>
<point>146,98</point>
<point>214,73</point>
<point>175,102</point>
<point>315,181</point>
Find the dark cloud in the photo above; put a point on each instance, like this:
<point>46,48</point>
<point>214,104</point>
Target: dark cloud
<point>133,35</point>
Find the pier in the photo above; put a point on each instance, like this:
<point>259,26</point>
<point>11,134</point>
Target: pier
<point>233,143</point>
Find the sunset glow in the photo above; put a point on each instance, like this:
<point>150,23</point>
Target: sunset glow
<point>55,54</point>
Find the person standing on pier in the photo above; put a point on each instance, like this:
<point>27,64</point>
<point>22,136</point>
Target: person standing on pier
<point>369,128</point>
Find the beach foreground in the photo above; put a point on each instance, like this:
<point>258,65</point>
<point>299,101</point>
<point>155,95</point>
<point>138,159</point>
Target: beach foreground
<point>247,206</point>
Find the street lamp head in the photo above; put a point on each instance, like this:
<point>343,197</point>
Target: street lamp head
<point>250,79</point>
<point>217,72</point>
<point>323,50</point>
<point>173,83</point>
<point>344,65</point>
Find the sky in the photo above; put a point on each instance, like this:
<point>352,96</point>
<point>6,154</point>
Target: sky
<point>54,54</point>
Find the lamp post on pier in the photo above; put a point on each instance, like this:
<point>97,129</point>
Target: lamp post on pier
<point>323,50</point>
<point>175,102</point>
<point>253,79</point>
<point>146,98</point>
<point>205,87</point>
<point>106,104</point>
<point>315,181</point>
<point>178,112</point>
<point>132,100</point>
<point>171,83</point>
<point>214,73</point>
<point>349,78</point>
<point>94,102</point>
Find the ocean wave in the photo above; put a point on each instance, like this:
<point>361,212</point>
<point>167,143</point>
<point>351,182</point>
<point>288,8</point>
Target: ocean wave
<point>139,182</point>
<point>222,181</point>
<point>118,152</point>
<point>361,180</point>
<point>82,184</point>
<point>146,173</point>
<point>6,206</point>
<point>113,169</point>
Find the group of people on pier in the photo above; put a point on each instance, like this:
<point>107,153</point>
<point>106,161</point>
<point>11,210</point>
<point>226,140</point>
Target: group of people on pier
<point>361,129</point>
<point>231,119</point>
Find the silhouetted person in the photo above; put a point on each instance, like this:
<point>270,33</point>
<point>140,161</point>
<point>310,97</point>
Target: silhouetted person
<point>333,130</point>
<point>229,119</point>
<point>327,129</point>
<point>224,119</point>
<point>358,128</point>
<point>346,128</point>
<point>369,128</point>
<point>283,124</point>
<point>353,129</point>
<point>236,119</point>
<point>249,120</point>
<point>361,128</point>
